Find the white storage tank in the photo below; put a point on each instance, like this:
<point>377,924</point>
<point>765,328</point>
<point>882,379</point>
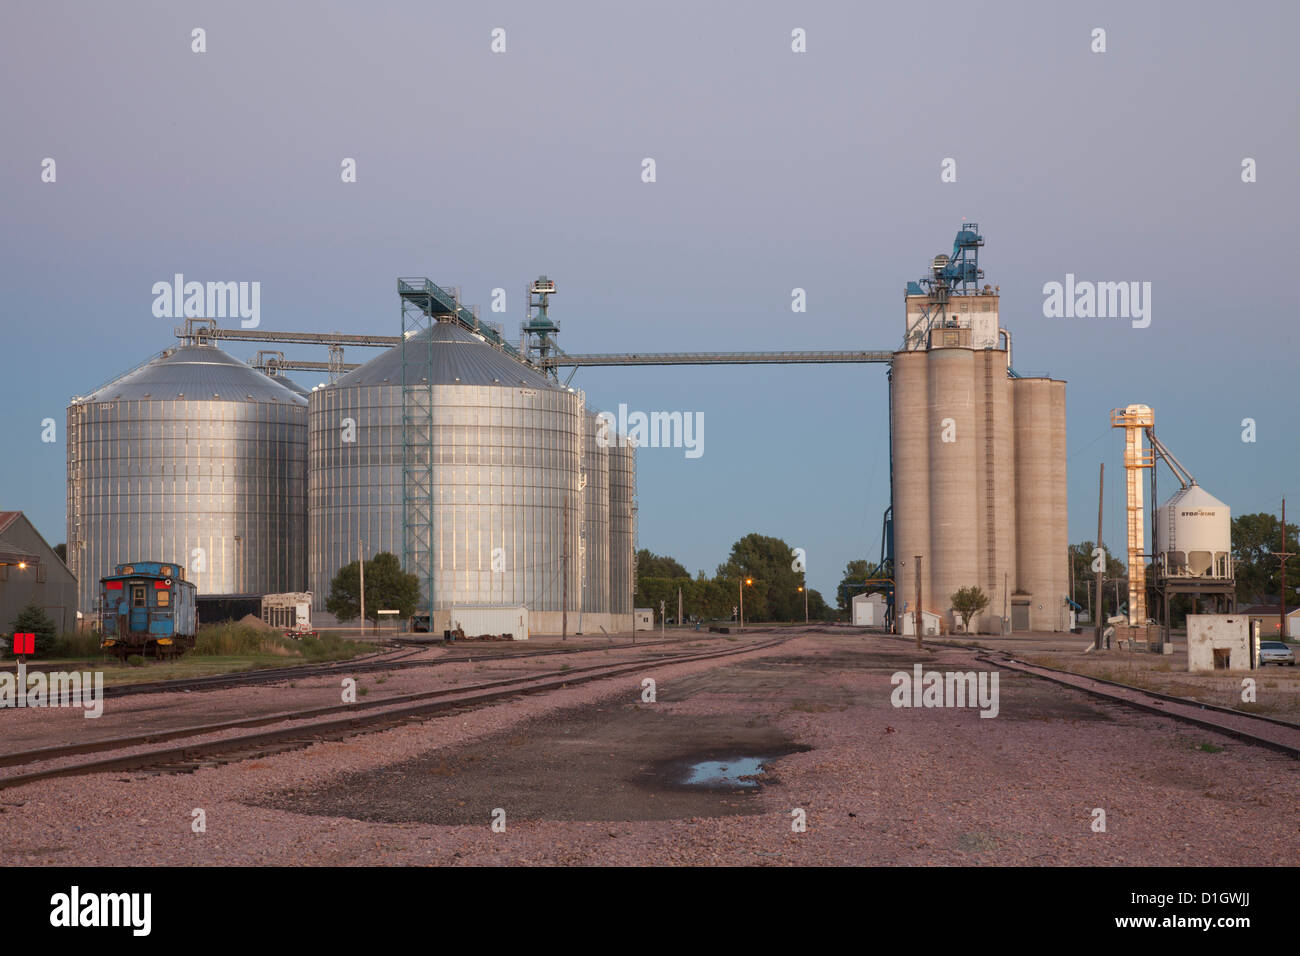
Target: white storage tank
<point>1194,535</point>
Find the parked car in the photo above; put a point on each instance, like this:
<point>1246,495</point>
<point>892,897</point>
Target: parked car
<point>1275,652</point>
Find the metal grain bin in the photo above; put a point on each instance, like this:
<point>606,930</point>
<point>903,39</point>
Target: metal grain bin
<point>193,458</point>
<point>507,457</point>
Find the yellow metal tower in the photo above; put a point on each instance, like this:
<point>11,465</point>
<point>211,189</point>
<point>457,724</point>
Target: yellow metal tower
<point>1135,419</point>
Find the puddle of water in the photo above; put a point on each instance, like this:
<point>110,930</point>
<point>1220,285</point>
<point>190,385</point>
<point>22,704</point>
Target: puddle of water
<point>725,773</point>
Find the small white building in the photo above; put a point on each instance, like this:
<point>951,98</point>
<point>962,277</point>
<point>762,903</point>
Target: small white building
<point>868,610</point>
<point>481,620</point>
<point>1219,642</point>
<point>929,623</point>
<point>643,619</point>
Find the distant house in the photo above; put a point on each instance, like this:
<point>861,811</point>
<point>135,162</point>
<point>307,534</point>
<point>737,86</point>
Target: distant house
<point>31,573</point>
<point>1268,617</point>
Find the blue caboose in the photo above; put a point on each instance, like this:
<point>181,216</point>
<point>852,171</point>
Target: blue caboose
<point>148,607</point>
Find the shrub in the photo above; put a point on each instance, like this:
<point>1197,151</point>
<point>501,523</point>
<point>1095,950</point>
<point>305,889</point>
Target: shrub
<point>33,619</point>
<point>239,640</point>
<point>330,647</point>
<point>77,646</point>
<point>135,660</point>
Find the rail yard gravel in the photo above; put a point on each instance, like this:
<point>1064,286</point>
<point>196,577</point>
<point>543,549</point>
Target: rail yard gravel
<point>878,784</point>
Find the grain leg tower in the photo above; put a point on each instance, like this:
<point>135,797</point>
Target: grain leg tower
<point>977,460</point>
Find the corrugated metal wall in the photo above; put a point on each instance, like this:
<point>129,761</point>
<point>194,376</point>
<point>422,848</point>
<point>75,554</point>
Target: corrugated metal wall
<point>194,459</point>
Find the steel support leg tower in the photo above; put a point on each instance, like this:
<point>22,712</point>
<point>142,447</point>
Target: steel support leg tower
<point>423,305</point>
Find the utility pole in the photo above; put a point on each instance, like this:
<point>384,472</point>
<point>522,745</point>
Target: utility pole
<point>1070,557</point>
<point>361,563</point>
<point>1282,556</point>
<point>1101,488</point>
<point>919,618</point>
<point>564,600</point>
<point>679,607</point>
<point>1006,621</point>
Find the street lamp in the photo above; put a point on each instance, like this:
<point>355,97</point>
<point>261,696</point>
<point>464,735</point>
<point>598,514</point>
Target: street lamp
<point>804,591</point>
<point>748,582</point>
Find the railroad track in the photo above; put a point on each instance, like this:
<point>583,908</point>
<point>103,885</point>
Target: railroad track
<point>388,661</point>
<point>321,723</point>
<point>1271,732</point>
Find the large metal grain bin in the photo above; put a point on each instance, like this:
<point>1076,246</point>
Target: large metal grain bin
<point>193,458</point>
<point>506,450</point>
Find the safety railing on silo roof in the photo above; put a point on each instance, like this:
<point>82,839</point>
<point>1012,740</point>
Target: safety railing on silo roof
<point>109,381</point>
<point>434,300</point>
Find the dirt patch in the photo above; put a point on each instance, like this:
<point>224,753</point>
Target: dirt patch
<point>601,762</point>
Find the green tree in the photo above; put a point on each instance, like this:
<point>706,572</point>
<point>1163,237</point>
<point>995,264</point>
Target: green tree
<point>854,581</point>
<point>34,620</point>
<point>769,562</point>
<point>1258,571</point>
<point>62,551</point>
<point>387,587</point>
<point>818,609</point>
<point>1084,577</point>
<point>969,602</point>
<point>658,566</point>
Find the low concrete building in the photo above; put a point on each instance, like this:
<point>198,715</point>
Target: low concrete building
<point>868,610</point>
<point>31,573</point>
<point>929,623</point>
<point>1219,642</point>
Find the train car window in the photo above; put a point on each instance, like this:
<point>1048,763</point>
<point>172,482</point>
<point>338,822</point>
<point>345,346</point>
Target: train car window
<point>164,598</point>
<point>137,595</point>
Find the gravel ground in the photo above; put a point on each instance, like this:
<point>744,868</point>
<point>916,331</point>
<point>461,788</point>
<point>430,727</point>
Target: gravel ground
<point>879,786</point>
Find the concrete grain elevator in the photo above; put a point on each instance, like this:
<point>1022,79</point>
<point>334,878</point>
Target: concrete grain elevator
<point>978,462</point>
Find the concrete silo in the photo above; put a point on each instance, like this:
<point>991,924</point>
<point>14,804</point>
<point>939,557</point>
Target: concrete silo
<point>978,459</point>
<point>909,404</point>
<point>506,449</point>
<point>954,530</point>
<point>622,529</point>
<point>1041,541</point>
<point>193,458</point>
<point>595,529</point>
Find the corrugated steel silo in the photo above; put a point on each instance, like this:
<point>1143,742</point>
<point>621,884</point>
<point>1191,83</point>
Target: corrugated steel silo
<point>193,458</point>
<point>288,383</point>
<point>507,453</point>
